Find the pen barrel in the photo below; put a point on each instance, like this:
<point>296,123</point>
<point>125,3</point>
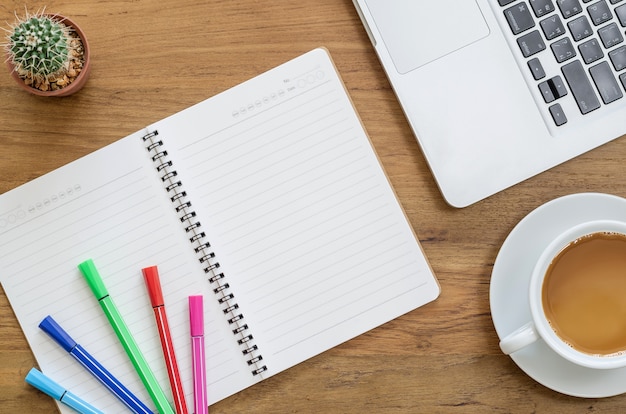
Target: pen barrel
<point>170,360</point>
<point>109,381</point>
<point>200,402</point>
<point>136,357</point>
<point>78,404</point>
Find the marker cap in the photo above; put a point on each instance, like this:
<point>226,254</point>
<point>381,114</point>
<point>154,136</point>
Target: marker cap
<point>196,315</point>
<point>151,276</point>
<point>88,268</point>
<point>59,393</point>
<point>52,328</point>
<point>44,384</point>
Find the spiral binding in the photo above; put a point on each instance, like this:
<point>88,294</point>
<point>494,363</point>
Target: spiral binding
<point>206,257</point>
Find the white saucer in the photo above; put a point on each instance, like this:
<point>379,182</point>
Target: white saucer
<point>509,292</point>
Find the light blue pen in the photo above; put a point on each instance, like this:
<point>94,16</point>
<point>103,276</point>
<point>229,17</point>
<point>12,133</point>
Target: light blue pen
<point>59,393</point>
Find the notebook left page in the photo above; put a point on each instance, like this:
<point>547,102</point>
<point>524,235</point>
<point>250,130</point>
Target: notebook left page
<point>111,207</point>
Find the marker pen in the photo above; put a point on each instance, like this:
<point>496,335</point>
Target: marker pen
<point>61,337</point>
<point>96,284</point>
<point>196,319</point>
<point>151,277</point>
<point>59,393</point>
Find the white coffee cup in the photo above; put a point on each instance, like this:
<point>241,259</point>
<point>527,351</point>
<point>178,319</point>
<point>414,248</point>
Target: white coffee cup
<point>538,328</point>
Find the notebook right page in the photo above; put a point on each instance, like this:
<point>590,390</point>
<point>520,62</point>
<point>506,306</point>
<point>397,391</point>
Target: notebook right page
<point>302,218</point>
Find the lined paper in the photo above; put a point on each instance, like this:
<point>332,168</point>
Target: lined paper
<point>293,200</point>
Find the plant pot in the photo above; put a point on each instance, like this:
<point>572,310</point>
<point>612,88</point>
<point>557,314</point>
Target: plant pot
<point>78,82</point>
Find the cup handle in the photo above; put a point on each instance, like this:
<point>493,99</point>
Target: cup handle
<point>518,339</point>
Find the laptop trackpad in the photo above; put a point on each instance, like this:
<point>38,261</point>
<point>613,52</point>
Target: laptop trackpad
<point>417,32</point>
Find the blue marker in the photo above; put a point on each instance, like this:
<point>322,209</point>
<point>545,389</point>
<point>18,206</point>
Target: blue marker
<point>52,328</point>
<point>46,385</point>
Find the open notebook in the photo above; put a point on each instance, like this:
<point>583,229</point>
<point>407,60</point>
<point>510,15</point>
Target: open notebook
<point>279,176</point>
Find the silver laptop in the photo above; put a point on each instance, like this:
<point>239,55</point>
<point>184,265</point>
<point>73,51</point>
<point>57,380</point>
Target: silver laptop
<point>497,91</point>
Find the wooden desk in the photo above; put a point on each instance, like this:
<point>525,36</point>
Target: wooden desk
<point>153,58</point>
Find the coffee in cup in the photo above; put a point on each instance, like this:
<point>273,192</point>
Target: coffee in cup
<point>584,293</point>
<point>577,297</point>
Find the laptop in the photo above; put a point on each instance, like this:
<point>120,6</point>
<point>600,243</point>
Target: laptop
<point>497,91</point>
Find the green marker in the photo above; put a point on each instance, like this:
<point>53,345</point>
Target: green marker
<point>115,319</point>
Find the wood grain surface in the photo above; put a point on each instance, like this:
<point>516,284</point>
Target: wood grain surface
<point>153,58</point>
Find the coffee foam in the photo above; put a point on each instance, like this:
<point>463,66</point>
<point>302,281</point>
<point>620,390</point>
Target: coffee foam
<point>596,355</point>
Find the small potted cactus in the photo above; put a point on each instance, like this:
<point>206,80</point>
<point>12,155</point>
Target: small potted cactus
<point>47,54</point>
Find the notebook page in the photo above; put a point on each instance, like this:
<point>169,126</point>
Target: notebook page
<point>109,206</point>
<point>300,214</point>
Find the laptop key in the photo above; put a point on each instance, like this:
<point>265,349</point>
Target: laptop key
<point>599,12</point>
<point>558,116</point>
<point>569,8</point>
<point>581,88</point>
<point>580,28</point>
<point>531,43</point>
<point>536,68</point>
<point>552,27</point>
<point>605,82</point>
<point>563,49</point>
<point>622,78</point>
<point>557,85</point>
<point>618,58</point>
<point>591,51</point>
<point>620,11</point>
<point>546,92</point>
<point>610,35</point>
<point>519,18</point>
<point>542,7</point>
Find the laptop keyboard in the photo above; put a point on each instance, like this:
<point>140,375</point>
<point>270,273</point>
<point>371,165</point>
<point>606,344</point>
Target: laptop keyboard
<point>574,49</point>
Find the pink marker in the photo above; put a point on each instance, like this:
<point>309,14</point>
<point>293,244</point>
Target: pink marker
<point>196,319</point>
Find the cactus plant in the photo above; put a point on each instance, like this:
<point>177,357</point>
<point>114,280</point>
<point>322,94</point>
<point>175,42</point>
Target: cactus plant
<point>39,46</point>
<point>45,51</point>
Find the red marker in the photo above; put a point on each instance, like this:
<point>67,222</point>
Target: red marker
<point>151,276</point>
